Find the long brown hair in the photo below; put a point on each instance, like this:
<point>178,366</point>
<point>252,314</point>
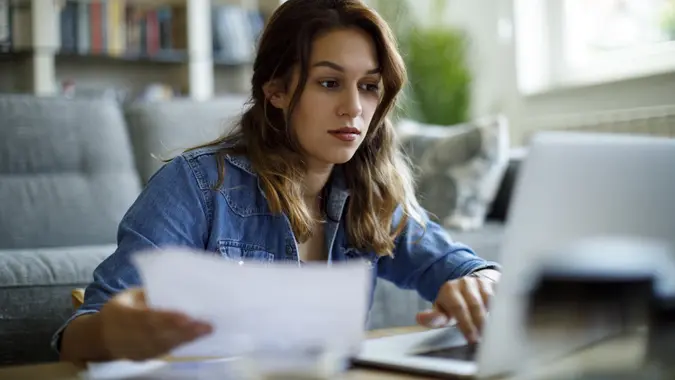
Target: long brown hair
<point>378,175</point>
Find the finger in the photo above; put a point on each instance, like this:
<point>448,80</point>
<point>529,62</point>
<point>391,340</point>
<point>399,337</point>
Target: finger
<point>452,303</point>
<point>179,323</point>
<point>486,288</point>
<point>138,297</point>
<point>432,319</point>
<point>169,328</point>
<point>474,300</point>
<point>133,298</point>
<point>172,339</point>
<point>164,319</point>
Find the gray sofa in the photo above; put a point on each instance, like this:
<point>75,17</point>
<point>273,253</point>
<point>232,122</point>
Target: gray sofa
<point>69,169</point>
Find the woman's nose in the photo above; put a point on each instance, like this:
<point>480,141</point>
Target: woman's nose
<point>351,103</point>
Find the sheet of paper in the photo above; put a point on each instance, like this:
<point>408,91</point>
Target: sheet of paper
<point>121,369</point>
<point>221,369</point>
<point>257,308</point>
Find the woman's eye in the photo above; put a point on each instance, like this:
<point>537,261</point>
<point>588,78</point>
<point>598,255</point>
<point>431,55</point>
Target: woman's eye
<point>332,84</point>
<point>370,87</point>
<point>328,83</point>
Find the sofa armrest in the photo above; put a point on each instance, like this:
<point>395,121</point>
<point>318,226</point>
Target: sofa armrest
<point>35,297</point>
<point>50,266</point>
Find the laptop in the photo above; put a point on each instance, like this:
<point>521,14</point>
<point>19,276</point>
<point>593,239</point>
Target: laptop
<point>572,186</point>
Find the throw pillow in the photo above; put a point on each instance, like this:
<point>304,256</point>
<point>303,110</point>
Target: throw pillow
<point>458,168</point>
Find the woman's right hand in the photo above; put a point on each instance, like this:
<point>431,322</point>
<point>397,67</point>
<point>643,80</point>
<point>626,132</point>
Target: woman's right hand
<point>131,330</point>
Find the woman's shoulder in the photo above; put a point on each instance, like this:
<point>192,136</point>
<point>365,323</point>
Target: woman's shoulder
<point>212,165</point>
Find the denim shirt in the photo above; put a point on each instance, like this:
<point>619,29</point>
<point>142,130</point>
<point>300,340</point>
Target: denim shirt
<point>180,207</point>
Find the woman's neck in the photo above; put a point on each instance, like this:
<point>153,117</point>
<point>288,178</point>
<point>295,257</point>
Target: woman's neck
<point>315,179</point>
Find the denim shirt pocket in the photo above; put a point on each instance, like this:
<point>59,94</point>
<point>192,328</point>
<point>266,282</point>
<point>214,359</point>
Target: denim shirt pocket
<point>242,252</point>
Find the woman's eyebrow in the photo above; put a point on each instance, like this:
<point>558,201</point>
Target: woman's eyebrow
<point>337,67</point>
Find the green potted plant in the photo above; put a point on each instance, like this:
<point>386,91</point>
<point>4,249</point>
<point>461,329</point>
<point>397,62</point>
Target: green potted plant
<point>439,87</point>
<point>440,78</point>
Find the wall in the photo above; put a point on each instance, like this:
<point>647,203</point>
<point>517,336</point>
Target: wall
<point>495,88</point>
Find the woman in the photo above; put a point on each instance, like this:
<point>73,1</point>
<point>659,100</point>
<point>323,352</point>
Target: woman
<point>312,173</point>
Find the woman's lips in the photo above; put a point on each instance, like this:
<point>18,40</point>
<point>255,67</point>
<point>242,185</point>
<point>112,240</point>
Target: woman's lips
<point>344,136</point>
<point>345,133</point>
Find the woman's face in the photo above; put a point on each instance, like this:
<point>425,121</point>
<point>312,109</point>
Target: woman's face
<point>342,92</point>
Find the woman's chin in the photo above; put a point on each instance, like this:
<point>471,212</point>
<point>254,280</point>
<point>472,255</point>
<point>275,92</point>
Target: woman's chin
<point>337,156</point>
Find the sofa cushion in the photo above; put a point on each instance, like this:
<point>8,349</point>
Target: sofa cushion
<point>486,241</point>
<point>162,130</point>
<point>67,167</point>
<point>394,307</point>
<point>35,297</point>
<point>459,167</point>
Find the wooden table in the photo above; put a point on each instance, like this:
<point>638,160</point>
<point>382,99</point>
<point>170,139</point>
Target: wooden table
<point>69,371</point>
<point>621,351</point>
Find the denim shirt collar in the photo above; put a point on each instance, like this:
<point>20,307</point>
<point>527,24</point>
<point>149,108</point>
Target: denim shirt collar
<point>338,192</point>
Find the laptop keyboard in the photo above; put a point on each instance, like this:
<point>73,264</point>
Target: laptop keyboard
<point>465,353</point>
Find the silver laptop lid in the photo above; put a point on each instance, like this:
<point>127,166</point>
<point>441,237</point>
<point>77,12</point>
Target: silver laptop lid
<point>572,187</point>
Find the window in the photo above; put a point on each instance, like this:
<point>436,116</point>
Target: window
<point>562,43</point>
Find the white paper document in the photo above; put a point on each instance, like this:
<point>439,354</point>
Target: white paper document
<point>256,308</point>
<point>220,369</point>
<point>121,369</point>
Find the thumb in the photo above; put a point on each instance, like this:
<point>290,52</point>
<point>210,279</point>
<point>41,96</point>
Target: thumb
<point>133,298</point>
<point>432,318</point>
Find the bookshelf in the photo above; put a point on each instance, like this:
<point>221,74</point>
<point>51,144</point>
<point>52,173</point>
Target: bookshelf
<point>197,48</point>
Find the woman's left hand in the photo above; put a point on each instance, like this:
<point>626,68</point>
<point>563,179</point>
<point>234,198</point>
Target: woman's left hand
<point>464,300</point>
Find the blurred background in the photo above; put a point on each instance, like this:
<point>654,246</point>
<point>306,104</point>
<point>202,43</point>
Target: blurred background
<point>532,60</point>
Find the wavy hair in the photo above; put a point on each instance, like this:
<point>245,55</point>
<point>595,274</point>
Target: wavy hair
<point>378,175</point>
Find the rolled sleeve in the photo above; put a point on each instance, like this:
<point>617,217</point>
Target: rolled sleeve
<point>56,338</point>
<point>425,257</point>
